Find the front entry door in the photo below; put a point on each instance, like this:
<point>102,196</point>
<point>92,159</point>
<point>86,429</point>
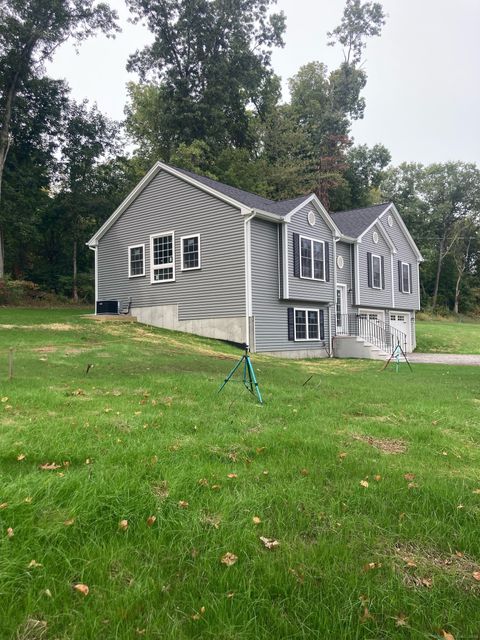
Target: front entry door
<point>341,309</point>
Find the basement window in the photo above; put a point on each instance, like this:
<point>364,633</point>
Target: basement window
<point>306,324</point>
<point>162,256</point>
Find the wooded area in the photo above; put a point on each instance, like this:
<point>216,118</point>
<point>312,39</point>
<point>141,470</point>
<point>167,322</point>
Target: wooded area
<point>207,100</point>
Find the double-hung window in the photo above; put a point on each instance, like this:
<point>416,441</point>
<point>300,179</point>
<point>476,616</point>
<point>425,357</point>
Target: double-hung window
<point>162,256</point>
<point>136,260</point>
<point>306,324</point>
<point>376,272</point>
<point>406,277</point>
<point>190,252</point>
<point>312,259</point>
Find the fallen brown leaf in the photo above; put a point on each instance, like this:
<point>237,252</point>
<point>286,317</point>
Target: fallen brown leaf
<point>151,521</point>
<point>269,543</point>
<point>183,504</point>
<point>21,457</point>
<point>377,478</point>
<point>33,564</point>
<point>342,455</point>
<point>69,522</point>
<point>197,616</point>
<point>232,475</point>
<point>409,476</point>
<point>3,505</point>
<point>401,620</point>
<point>81,588</point>
<point>256,520</point>
<point>229,559</point>
<point>10,533</point>
<point>477,491</point>
<point>50,466</point>
<point>366,615</point>
<point>364,483</point>
<point>476,575</point>
<point>447,635</point>
<point>203,482</point>
<point>304,472</point>
<point>372,565</point>
<point>427,582</point>
<point>123,525</point>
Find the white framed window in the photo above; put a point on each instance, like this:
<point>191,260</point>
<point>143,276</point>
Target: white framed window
<point>162,257</point>
<point>312,259</point>
<point>136,260</point>
<point>406,277</point>
<point>190,246</point>
<point>376,271</point>
<point>307,324</point>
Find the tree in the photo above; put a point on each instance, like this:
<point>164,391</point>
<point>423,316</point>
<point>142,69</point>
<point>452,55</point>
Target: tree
<point>30,32</point>
<point>89,138</point>
<point>209,64</point>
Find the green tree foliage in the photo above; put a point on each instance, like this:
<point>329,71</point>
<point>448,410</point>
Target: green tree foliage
<point>208,63</point>
<point>30,32</point>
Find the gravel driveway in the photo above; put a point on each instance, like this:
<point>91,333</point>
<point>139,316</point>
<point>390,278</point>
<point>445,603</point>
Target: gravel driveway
<point>445,358</point>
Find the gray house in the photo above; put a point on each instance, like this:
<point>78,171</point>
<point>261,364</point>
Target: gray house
<point>192,254</point>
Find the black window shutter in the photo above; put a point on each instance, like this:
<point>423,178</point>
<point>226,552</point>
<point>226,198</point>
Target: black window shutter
<point>369,269</point>
<point>322,324</point>
<point>382,259</point>
<point>327,261</point>
<point>291,324</point>
<point>410,276</point>
<point>296,255</point>
<point>400,277</point>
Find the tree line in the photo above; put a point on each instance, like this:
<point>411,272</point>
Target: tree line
<point>207,99</point>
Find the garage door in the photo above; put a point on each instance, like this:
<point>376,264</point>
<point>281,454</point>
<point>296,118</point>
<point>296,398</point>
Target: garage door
<point>401,322</point>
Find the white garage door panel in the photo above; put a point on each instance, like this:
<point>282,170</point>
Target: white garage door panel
<point>401,321</point>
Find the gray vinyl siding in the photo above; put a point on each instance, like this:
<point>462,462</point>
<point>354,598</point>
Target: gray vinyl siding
<point>302,288</point>
<point>270,313</point>
<point>369,296</point>
<point>345,275</point>
<point>404,253</point>
<point>170,204</point>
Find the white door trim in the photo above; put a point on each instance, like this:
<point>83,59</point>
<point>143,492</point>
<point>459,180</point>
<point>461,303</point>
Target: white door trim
<point>342,327</point>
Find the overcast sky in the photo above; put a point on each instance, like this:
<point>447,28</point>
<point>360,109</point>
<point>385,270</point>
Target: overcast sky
<point>423,89</point>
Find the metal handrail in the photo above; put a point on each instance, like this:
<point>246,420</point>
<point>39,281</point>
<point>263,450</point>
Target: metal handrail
<point>377,332</point>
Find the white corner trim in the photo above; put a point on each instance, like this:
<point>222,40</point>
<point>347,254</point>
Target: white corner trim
<point>285,252</point>
<point>135,246</point>
<point>166,266</point>
<point>393,209</point>
<point>393,281</point>
<point>95,251</point>
<point>248,275</point>
<point>357,273</point>
<point>192,235</point>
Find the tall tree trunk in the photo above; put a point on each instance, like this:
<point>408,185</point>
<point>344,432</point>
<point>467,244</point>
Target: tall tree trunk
<point>439,270</point>
<point>11,91</point>
<point>75,284</point>
<point>457,292</point>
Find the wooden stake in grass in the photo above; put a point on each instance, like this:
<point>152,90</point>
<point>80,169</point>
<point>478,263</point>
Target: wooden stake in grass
<point>10,363</point>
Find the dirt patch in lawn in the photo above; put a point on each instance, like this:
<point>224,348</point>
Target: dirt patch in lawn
<point>419,566</point>
<point>54,326</point>
<point>385,445</point>
<point>45,349</point>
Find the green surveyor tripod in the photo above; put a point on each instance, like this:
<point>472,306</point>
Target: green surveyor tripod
<point>249,379</point>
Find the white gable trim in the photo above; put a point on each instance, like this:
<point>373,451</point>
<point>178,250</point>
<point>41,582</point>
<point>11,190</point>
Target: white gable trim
<point>157,167</point>
<point>320,209</point>
<point>383,233</point>
<point>392,208</point>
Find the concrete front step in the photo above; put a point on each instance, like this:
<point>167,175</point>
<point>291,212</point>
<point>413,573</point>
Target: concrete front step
<point>354,347</point>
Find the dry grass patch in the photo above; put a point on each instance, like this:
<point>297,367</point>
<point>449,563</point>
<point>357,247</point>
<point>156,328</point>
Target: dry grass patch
<point>385,445</point>
<point>418,566</point>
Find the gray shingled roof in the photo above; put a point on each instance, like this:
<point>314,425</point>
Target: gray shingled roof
<point>354,222</point>
<point>248,199</point>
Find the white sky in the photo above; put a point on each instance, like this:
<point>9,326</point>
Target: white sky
<point>423,89</point>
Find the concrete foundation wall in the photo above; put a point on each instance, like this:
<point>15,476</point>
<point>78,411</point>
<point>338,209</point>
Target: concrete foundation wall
<point>299,354</point>
<point>166,317</point>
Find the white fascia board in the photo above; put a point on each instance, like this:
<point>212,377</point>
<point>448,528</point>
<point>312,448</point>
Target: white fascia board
<point>403,226</point>
<point>158,166</point>
<point>383,233</point>
<point>265,215</point>
<point>321,210</point>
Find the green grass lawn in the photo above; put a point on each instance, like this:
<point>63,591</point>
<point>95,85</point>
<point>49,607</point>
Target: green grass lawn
<point>373,544</point>
<point>441,336</point>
